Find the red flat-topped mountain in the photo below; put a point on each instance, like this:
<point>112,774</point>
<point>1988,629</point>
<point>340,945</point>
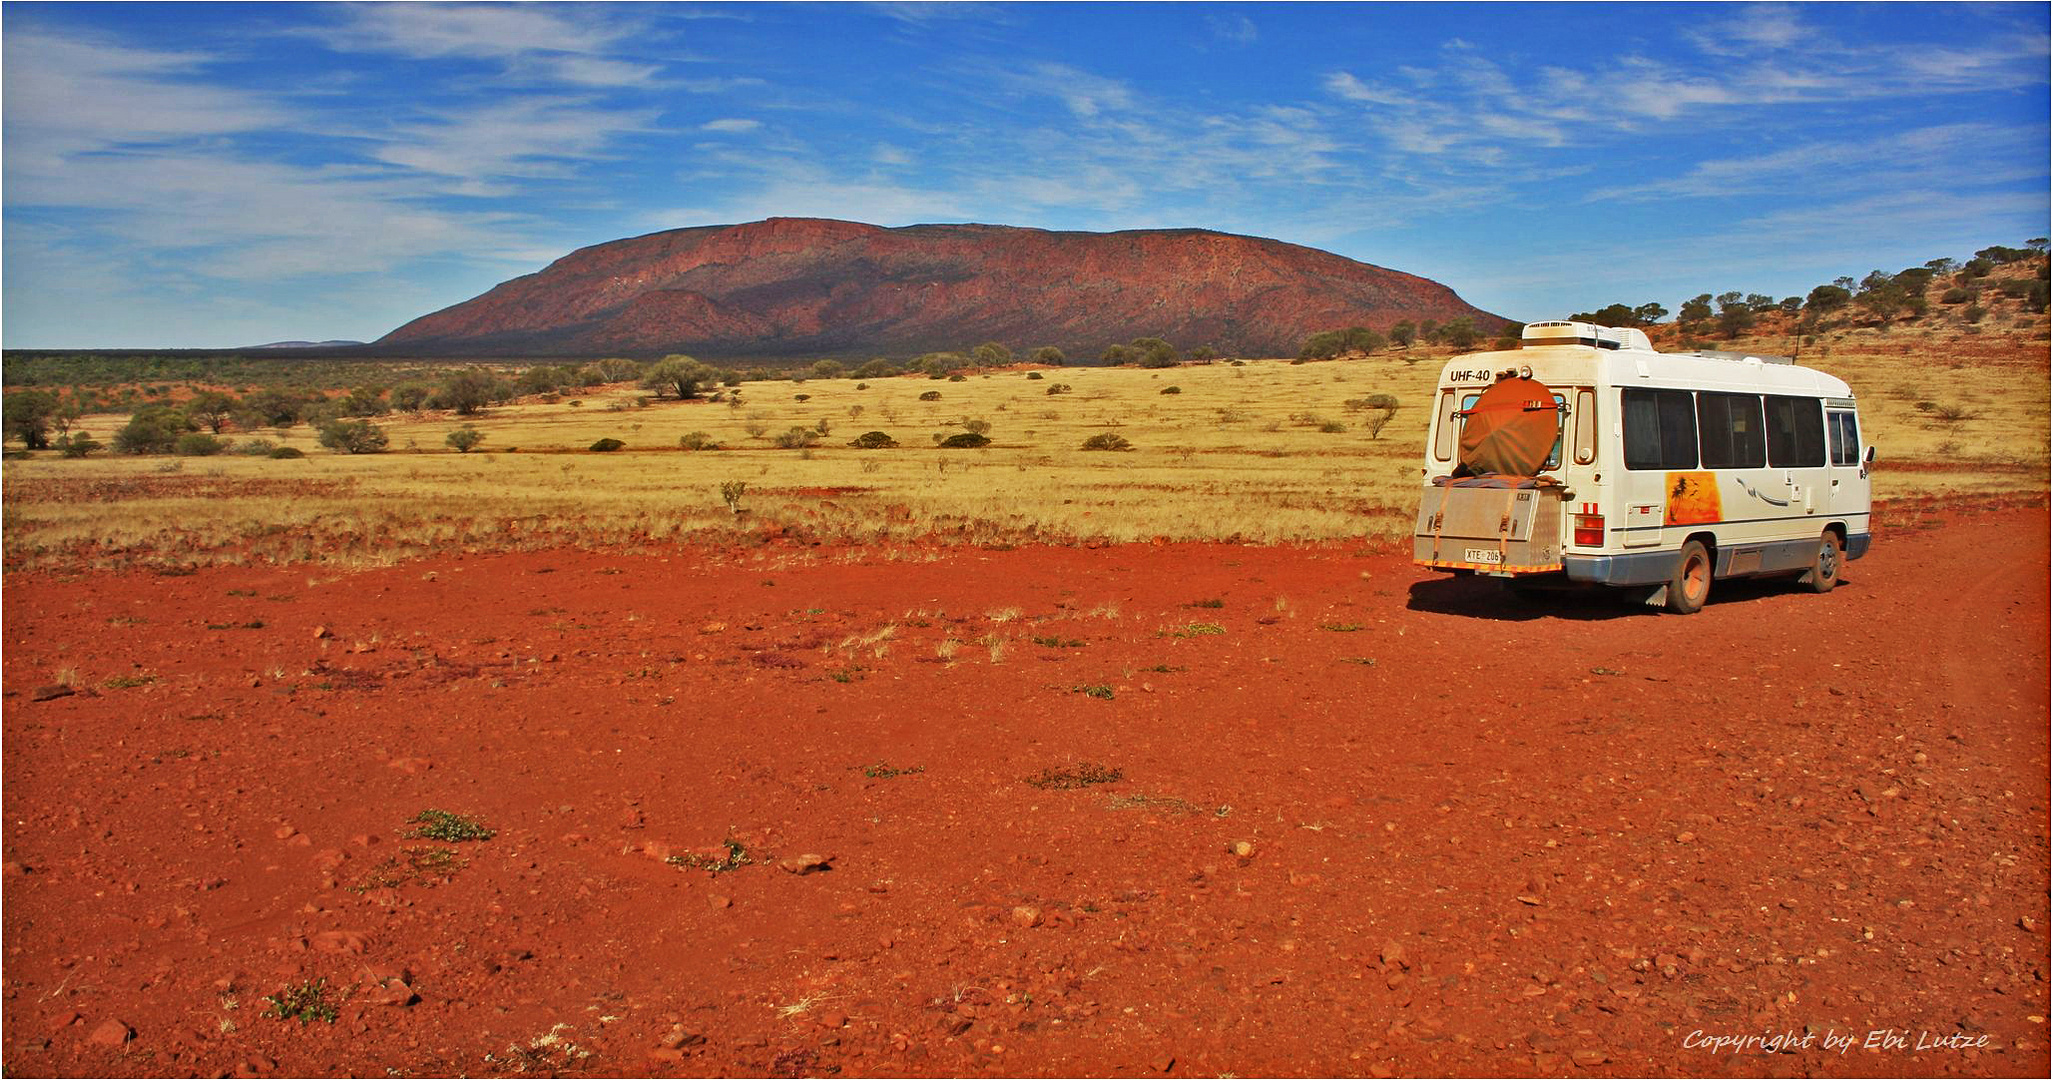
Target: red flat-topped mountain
<point>803,287</point>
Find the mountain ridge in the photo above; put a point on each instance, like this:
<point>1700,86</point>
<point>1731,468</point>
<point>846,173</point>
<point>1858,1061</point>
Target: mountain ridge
<point>801,287</point>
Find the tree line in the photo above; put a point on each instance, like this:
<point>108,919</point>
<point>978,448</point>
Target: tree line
<point>1881,297</point>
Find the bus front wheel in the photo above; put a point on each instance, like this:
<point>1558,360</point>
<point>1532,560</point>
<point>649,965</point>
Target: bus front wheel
<point>1691,585</point>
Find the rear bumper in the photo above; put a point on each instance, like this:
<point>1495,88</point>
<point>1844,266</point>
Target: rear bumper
<point>1857,544</point>
<point>1635,568</point>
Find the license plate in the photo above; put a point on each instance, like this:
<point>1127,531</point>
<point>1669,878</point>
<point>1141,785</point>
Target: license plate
<point>1483,555</point>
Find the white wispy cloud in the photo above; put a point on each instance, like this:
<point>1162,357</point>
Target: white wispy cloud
<point>734,125</point>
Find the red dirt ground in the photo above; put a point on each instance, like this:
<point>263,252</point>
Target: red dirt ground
<point>1476,836</point>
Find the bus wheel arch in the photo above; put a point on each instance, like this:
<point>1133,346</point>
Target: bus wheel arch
<point>1695,563</point>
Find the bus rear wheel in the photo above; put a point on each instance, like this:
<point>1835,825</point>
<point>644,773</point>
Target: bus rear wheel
<point>1691,585</point>
<point>1825,566</point>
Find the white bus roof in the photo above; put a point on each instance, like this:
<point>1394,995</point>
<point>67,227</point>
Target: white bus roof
<point>1574,359</point>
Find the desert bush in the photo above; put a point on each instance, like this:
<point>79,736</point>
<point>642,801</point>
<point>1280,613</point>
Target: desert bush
<point>75,445</point>
<point>681,375</point>
<point>966,440</point>
<point>464,439</point>
<point>801,398</point>
<point>255,447</point>
<point>1332,427</point>
<point>977,427</point>
<point>1058,388</point>
<point>828,369</point>
<point>862,386</point>
<point>1033,376</point>
<point>873,440</point>
<point>287,453</point>
<point>1974,313</point>
<point>696,440</point>
<point>958,378</point>
<point>1172,389</point>
<point>796,438</point>
<point>198,444</point>
<point>931,395</point>
<point>1956,295</point>
<point>606,446</point>
<point>1049,354</point>
<point>353,437</point>
<point>153,429</point>
<point>1108,441</point>
<point>731,492</point>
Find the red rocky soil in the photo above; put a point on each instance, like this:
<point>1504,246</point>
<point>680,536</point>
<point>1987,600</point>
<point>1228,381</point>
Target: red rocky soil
<point>1390,824</point>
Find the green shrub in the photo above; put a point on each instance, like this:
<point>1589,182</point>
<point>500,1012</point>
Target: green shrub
<point>75,445</point>
<point>696,440</point>
<point>931,395</point>
<point>465,439</point>
<point>1109,440</point>
<point>1034,376</point>
<point>287,453</point>
<point>1058,388</point>
<point>353,437</point>
<point>606,446</point>
<point>874,440</point>
<point>255,447</point>
<point>198,444</point>
<point>967,440</point>
<point>797,438</point>
<point>1956,295</point>
<point>1172,389</point>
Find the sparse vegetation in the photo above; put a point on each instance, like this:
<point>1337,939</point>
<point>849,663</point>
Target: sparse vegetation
<point>1071,777</point>
<point>1107,440</point>
<point>305,1003</point>
<point>737,857</point>
<point>450,828</point>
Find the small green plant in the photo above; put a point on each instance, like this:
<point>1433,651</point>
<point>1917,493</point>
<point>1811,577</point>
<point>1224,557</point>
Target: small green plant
<point>1172,390</point>
<point>1164,669</point>
<point>1071,777</point>
<point>448,827</point>
<point>1365,661</point>
<point>1058,388</point>
<point>696,440</point>
<point>128,682</point>
<point>1057,642</point>
<point>931,395</point>
<point>731,492</point>
<point>606,446</point>
<point>796,438</point>
<point>253,624</point>
<point>965,440</point>
<point>1213,603</point>
<point>1096,690</point>
<point>848,674</point>
<point>1109,440</point>
<point>881,771</point>
<point>1342,628</point>
<point>306,1002</point>
<point>1198,629</point>
<point>464,439</point>
<point>736,858</point>
<point>287,453</point>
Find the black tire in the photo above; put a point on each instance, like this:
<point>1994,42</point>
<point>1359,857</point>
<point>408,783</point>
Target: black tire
<point>1827,563</point>
<point>1691,585</point>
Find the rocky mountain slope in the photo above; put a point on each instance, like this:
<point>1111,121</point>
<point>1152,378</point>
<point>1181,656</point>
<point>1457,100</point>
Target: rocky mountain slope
<point>801,287</point>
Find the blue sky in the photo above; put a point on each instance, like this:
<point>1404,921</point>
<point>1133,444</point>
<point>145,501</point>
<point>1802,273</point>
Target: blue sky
<point>221,175</point>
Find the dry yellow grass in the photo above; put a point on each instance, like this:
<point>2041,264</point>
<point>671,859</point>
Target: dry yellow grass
<point>1236,454</point>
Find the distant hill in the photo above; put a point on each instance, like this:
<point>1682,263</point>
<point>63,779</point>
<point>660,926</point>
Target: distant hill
<point>802,287</point>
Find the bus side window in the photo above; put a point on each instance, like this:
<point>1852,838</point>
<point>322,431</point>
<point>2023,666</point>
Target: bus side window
<point>1796,432</point>
<point>1554,453</point>
<point>1846,438</point>
<point>1585,426</point>
<point>1731,432</point>
<point>1660,429</point>
<point>1443,428</point>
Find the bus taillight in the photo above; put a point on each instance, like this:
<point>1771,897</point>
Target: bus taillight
<point>1589,530</point>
